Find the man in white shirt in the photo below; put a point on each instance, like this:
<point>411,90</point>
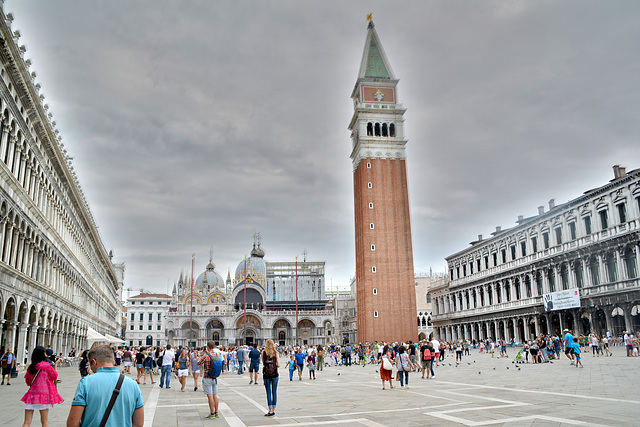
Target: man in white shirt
<point>168,357</point>
<point>436,350</point>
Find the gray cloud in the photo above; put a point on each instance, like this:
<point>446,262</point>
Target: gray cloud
<point>193,124</point>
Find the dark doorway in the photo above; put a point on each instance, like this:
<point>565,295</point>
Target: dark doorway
<point>149,340</point>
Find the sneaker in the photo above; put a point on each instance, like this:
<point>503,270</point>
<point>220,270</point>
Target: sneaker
<point>143,383</point>
<point>256,383</point>
<point>153,382</point>
<point>250,382</point>
<point>195,389</point>
<point>433,376</point>
<point>211,416</point>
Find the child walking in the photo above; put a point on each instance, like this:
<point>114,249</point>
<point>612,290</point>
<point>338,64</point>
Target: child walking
<point>311,363</point>
<point>576,351</point>
<point>292,367</point>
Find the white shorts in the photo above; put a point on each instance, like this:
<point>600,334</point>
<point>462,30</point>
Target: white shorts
<point>127,363</point>
<point>37,406</point>
<point>183,372</point>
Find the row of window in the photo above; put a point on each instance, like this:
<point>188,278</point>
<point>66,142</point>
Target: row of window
<point>381,129</point>
<point>149,328</point>
<point>150,302</point>
<point>558,235</point>
<point>565,274</point>
<point>142,316</point>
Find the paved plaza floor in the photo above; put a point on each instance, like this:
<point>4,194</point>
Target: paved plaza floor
<point>480,391</point>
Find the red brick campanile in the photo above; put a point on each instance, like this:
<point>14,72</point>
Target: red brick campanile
<point>385,283</point>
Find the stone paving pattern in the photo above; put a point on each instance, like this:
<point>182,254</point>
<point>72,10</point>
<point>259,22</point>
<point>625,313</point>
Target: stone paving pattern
<point>480,391</point>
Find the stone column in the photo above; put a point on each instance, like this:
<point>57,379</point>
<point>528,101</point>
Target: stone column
<point>628,324</point>
<point>22,342</point>
<point>4,137</point>
<point>11,335</point>
<point>536,320</point>
<point>33,333</point>
<point>621,275</point>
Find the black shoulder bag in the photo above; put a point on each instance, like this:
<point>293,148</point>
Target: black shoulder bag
<point>114,396</point>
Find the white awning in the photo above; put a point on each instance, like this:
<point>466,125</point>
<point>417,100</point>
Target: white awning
<point>93,337</point>
<point>114,340</point>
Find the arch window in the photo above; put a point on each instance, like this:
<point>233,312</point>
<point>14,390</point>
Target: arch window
<point>595,271</point>
<point>375,291</point>
<point>368,165</point>
<point>371,226</point>
<point>630,262</point>
<point>392,130</point>
<point>373,247</point>
<point>375,313</point>
<point>564,276</point>
<point>370,205</point>
<point>377,129</point>
<point>370,185</point>
<point>385,130</point>
<point>373,269</point>
<point>611,267</point>
<point>369,129</point>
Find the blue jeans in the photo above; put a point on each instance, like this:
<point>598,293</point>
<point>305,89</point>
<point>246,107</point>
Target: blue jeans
<point>240,365</point>
<point>404,375</point>
<point>166,373</point>
<point>430,366</point>
<point>271,385</point>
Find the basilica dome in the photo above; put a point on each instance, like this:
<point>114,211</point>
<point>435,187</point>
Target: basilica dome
<point>256,267</point>
<point>210,278</point>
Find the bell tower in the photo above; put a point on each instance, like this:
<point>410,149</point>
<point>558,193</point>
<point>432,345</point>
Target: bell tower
<point>385,283</point>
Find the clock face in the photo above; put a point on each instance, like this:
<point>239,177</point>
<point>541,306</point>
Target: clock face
<point>378,94</point>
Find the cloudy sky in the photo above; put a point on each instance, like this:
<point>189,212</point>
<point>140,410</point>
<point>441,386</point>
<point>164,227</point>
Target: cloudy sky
<point>194,124</point>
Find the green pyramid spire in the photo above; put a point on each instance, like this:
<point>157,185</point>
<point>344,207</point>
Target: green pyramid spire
<point>374,61</point>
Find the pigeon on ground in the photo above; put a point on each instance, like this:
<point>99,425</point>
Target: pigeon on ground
<point>338,373</point>
<point>507,367</point>
<point>479,373</point>
<point>518,369</point>
<point>494,368</point>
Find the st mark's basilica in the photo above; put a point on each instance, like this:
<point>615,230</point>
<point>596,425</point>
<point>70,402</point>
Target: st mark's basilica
<point>215,308</point>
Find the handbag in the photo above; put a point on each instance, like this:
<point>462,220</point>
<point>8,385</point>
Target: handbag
<point>386,364</point>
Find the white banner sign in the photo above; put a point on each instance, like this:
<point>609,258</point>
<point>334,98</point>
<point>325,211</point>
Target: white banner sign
<point>561,300</point>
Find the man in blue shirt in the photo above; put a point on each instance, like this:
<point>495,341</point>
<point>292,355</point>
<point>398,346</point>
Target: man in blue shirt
<point>94,393</point>
<point>254,365</point>
<point>300,357</point>
<point>240,353</point>
<point>568,345</point>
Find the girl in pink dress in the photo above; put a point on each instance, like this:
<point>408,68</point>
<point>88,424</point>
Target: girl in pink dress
<point>42,393</point>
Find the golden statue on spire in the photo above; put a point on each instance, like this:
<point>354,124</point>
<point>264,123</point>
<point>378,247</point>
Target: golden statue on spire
<point>369,17</point>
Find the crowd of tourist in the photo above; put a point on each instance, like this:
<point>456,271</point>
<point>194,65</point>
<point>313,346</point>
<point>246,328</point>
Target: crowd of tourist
<point>110,370</point>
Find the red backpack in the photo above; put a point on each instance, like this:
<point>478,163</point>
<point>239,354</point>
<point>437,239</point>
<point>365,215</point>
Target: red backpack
<point>427,354</point>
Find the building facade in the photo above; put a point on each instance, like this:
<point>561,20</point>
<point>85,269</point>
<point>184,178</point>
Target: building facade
<point>146,319</point>
<point>424,304</point>
<point>384,255</point>
<point>257,304</point>
<point>589,245</point>
<point>56,278</point>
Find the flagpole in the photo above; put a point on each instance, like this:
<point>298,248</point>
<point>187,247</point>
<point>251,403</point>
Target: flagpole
<point>297,329</point>
<point>193,262</point>
<point>244,321</point>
